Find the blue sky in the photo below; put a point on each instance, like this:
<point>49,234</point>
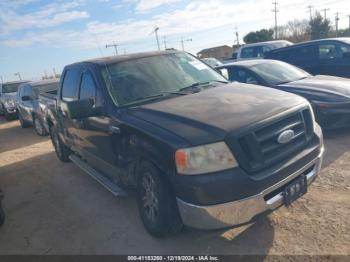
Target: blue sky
<point>39,35</point>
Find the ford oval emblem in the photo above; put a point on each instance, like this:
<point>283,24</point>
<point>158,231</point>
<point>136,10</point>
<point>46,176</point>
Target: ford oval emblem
<point>286,136</point>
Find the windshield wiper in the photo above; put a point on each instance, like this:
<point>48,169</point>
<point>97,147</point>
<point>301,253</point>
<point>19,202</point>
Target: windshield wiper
<point>199,84</point>
<point>152,97</point>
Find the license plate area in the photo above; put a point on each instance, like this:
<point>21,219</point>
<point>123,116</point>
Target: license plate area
<point>294,190</point>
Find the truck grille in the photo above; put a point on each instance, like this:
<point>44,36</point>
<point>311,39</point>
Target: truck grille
<point>261,147</point>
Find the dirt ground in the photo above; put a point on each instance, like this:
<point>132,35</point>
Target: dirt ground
<point>54,208</point>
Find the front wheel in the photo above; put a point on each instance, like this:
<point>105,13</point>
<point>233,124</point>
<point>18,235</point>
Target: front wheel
<point>62,151</point>
<point>39,127</point>
<point>24,124</point>
<point>156,202</point>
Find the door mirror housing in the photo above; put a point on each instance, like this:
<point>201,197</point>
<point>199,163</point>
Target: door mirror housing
<point>26,98</point>
<point>82,109</point>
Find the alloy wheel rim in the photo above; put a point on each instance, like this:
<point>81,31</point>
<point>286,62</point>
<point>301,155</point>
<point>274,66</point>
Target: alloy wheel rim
<point>150,200</point>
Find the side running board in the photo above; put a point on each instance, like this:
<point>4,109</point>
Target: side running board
<point>104,181</point>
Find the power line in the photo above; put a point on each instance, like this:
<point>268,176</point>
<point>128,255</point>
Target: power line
<point>19,75</point>
<point>183,44</point>
<point>275,10</point>
<point>115,47</point>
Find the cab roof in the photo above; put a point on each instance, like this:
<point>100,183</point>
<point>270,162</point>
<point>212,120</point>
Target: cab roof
<point>121,58</point>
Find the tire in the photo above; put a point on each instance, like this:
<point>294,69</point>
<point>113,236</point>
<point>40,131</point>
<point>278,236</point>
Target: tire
<point>156,202</point>
<point>2,216</point>
<point>39,127</point>
<point>24,124</point>
<point>62,151</point>
<point>8,116</point>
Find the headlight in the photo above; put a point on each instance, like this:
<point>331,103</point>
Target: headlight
<point>204,159</point>
<point>9,103</point>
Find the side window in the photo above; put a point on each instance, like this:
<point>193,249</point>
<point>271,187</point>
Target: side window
<point>87,87</point>
<point>246,77</point>
<point>242,76</point>
<point>332,51</point>
<point>247,52</point>
<point>70,85</point>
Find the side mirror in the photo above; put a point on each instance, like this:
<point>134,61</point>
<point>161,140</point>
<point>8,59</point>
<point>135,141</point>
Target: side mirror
<point>82,109</point>
<point>26,98</point>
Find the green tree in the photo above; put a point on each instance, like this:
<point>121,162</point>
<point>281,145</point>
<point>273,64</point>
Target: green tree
<point>259,36</point>
<point>319,27</point>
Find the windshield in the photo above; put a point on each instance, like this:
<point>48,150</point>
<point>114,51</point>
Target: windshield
<point>275,73</point>
<point>10,88</point>
<point>132,80</point>
<point>212,62</point>
<point>43,88</point>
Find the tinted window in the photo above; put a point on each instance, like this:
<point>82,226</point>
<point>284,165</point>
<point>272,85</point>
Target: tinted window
<point>332,50</point>
<point>242,76</point>
<point>298,55</point>
<point>70,85</point>
<point>247,52</point>
<point>10,88</point>
<point>28,91</point>
<point>87,88</point>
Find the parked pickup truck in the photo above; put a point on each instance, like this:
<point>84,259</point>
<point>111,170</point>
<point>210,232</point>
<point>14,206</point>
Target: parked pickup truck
<point>199,151</point>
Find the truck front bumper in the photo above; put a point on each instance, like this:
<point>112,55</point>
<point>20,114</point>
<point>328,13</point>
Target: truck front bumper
<point>244,210</point>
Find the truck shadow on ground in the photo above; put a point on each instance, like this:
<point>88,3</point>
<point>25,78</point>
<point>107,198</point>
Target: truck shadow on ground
<point>14,137</point>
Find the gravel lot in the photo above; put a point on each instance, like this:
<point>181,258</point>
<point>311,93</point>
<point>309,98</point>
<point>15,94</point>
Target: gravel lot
<point>54,208</point>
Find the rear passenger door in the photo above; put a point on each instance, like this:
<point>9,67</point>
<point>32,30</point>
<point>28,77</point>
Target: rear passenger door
<point>69,92</point>
<point>333,59</point>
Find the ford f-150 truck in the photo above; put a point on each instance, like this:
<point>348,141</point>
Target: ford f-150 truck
<point>198,151</point>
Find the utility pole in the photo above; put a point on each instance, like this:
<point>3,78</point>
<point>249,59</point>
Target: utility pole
<point>164,41</point>
<point>115,47</point>
<point>54,72</point>
<point>310,11</point>
<point>237,36</point>
<point>155,31</point>
<point>336,23</point>
<point>183,44</point>
<point>275,10</point>
<point>19,76</point>
<point>325,12</point>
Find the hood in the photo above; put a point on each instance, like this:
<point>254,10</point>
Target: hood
<point>209,115</point>
<point>323,83</point>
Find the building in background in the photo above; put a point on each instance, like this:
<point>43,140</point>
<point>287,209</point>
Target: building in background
<point>219,52</point>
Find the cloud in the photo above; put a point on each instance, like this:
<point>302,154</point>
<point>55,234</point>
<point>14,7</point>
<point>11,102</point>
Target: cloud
<point>145,5</point>
<point>197,16</point>
<point>48,16</point>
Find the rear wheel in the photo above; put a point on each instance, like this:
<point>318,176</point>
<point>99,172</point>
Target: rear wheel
<point>24,124</point>
<point>156,202</point>
<point>8,116</point>
<point>62,151</point>
<point>39,127</point>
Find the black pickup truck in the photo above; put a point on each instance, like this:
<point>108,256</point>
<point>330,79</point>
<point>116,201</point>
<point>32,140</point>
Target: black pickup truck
<point>197,150</point>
